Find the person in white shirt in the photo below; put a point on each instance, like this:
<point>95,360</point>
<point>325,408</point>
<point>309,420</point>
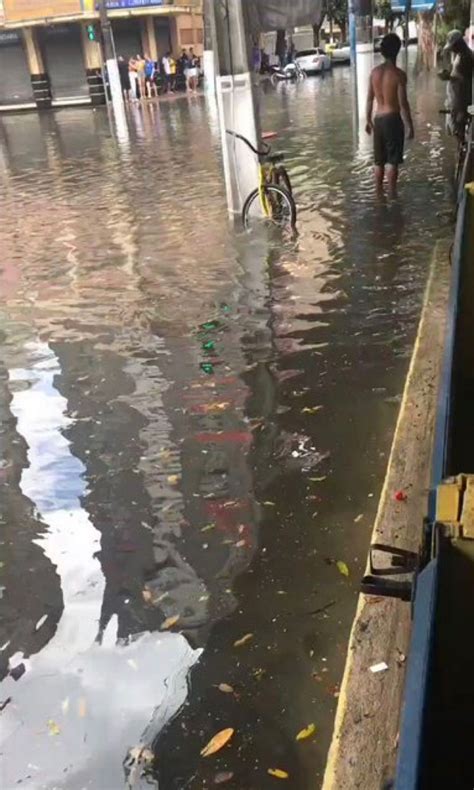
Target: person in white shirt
<point>166,63</point>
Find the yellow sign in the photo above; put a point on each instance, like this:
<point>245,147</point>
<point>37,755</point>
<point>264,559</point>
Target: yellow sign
<point>25,10</point>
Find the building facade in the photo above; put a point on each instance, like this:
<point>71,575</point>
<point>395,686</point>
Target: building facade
<point>47,57</point>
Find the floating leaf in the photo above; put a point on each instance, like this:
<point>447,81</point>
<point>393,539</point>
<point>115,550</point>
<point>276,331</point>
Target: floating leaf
<point>169,622</point>
<point>240,544</point>
<point>318,479</point>
<point>243,640</point>
<point>376,668</point>
<point>269,504</point>
<point>223,777</point>
<point>306,733</point>
<point>173,480</point>
<point>208,527</point>
<point>53,727</point>
<point>41,622</point>
<point>358,518</point>
<point>217,742</point>
<point>342,568</point>
<point>147,596</point>
<point>278,773</point>
<point>311,410</point>
<point>225,688</point>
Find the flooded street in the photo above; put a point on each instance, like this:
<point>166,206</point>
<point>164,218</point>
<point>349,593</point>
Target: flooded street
<point>194,429</point>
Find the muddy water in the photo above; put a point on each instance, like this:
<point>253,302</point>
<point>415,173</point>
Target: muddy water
<point>194,424</point>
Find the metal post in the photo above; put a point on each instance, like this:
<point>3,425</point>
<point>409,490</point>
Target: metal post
<point>235,100</point>
<point>209,37</point>
<point>362,41</point>
<point>407,24</point>
<point>110,59</point>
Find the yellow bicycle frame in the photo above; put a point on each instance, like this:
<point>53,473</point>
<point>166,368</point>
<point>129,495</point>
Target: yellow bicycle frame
<point>265,177</point>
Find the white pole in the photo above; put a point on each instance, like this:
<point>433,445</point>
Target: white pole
<point>111,60</point>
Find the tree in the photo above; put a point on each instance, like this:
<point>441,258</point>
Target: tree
<point>383,10</point>
<point>457,13</point>
<point>426,40</point>
<point>336,11</point>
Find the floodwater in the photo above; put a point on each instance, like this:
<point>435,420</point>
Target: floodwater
<point>195,425</point>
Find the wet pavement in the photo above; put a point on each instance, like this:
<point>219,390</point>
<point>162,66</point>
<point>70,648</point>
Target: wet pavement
<point>194,429</point>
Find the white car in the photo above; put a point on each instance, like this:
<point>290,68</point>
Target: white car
<point>313,61</point>
<point>341,54</point>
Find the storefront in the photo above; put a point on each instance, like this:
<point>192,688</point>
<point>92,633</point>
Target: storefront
<point>15,81</point>
<point>127,37</point>
<point>163,36</point>
<point>63,56</point>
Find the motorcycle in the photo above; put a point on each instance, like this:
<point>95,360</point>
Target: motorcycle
<point>292,71</point>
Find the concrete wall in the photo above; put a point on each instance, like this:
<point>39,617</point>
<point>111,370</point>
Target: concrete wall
<point>187,30</point>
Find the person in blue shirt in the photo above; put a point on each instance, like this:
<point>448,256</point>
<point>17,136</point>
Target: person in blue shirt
<point>150,74</point>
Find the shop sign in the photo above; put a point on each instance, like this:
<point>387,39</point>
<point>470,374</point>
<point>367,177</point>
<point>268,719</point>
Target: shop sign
<point>400,6</point>
<point>8,37</point>
<point>23,10</point>
<point>116,5</point>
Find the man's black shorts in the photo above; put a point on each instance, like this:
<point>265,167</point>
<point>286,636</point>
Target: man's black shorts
<point>389,139</point>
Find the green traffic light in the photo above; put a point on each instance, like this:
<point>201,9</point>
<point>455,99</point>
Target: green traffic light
<point>91,33</point>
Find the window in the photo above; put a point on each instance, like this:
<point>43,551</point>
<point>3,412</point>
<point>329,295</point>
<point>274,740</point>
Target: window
<point>187,35</point>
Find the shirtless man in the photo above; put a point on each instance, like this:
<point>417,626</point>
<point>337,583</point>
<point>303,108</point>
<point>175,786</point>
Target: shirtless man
<point>388,86</point>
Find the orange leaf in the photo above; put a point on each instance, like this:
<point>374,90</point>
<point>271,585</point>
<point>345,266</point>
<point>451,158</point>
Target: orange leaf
<point>169,622</point>
<point>243,640</point>
<point>306,733</point>
<point>217,742</point>
<point>278,773</point>
<point>225,688</point>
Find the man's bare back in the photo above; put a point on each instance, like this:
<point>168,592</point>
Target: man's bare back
<point>387,79</point>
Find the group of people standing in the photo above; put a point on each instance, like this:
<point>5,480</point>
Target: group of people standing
<point>142,77</point>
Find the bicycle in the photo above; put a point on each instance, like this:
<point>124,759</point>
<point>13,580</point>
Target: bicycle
<point>464,144</point>
<point>273,198</point>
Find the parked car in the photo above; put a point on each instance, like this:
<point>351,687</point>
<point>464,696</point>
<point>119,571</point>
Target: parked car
<point>313,61</point>
<point>341,53</point>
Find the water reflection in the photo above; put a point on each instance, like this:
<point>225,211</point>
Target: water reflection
<point>215,411</point>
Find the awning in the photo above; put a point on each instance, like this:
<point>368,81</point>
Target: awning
<point>400,6</point>
<point>265,15</point>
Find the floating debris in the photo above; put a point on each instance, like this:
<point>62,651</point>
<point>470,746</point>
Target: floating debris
<point>307,732</point>
<point>217,742</point>
<point>278,773</point>
<point>223,777</point>
<point>169,622</point>
<point>225,688</point>
<point>376,668</point>
<point>243,640</point>
<point>342,568</point>
<point>41,622</point>
<point>53,728</point>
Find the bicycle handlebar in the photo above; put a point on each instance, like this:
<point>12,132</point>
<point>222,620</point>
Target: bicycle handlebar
<point>264,152</point>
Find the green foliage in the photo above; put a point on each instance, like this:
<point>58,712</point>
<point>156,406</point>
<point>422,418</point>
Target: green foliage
<point>336,10</point>
<point>457,13</point>
<point>383,9</point>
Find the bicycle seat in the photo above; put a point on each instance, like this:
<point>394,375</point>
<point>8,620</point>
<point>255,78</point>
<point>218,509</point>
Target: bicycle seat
<point>275,158</point>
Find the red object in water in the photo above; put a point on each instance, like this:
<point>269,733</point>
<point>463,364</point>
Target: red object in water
<point>400,496</point>
<point>269,135</point>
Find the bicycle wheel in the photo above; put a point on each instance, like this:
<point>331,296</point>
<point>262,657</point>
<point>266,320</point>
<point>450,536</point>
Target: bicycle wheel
<point>282,208</point>
<point>282,179</point>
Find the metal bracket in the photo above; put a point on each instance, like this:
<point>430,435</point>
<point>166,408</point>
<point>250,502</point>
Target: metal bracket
<point>378,581</point>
